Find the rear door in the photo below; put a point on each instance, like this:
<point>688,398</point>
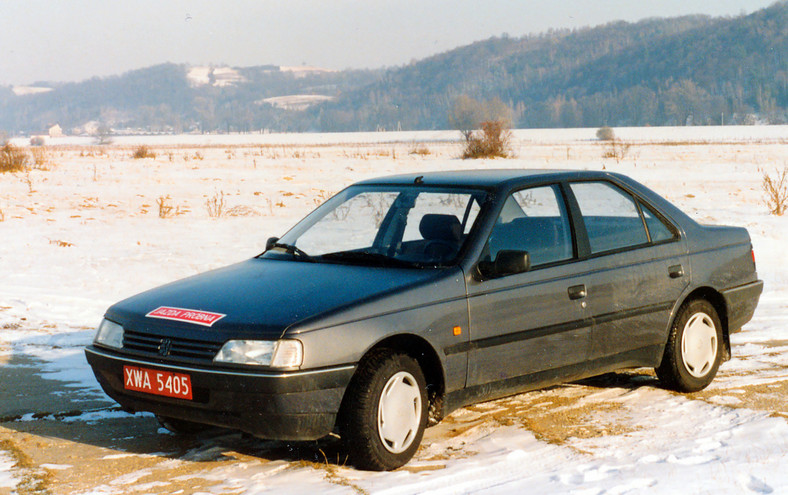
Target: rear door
<point>634,273</point>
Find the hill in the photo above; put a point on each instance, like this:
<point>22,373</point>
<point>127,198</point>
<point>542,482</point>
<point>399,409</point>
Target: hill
<point>173,98</point>
<point>679,71</point>
<point>687,70</point>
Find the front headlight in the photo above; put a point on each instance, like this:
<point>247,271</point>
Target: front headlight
<point>276,354</point>
<point>109,334</point>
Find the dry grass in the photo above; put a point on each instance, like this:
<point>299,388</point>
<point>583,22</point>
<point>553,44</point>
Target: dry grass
<point>241,211</point>
<point>166,210</point>
<point>775,191</point>
<point>420,150</point>
<point>59,243</point>
<point>215,205</point>
<point>34,480</point>
<point>13,159</point>
<point>321,196</point>
<point>142,152</point>
<point>616,149</point>
<point>558,414</point>
<point>42,158</point>
<point>761,397</point>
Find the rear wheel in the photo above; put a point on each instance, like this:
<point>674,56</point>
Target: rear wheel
<point>694,349</point>
<point>385,412</point>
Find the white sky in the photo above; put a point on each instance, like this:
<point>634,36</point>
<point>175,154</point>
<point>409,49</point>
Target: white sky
<point>71,40</point>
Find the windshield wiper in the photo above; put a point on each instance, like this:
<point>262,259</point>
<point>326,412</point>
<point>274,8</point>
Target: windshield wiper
<point>296,251</point>
<point>366,258</point>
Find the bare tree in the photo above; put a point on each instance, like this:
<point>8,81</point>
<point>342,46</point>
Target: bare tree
<point>466,114</point>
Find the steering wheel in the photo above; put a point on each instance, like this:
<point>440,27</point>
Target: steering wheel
<point>440,250</point>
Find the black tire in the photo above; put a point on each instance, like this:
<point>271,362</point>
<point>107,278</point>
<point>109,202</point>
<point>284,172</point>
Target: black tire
<point>694,349</point>
<point>181,426</point>
<point>385,381</point>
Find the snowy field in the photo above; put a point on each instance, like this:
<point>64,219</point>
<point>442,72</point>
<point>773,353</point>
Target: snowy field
<point>83,230</point>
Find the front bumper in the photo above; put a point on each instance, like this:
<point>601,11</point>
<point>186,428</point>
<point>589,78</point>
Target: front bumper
<point>294,405</point>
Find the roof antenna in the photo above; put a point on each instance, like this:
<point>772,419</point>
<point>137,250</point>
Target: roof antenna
<point>419,180</point>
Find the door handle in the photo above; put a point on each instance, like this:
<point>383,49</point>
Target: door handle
<point>577,292</point>
<point>676,271</point>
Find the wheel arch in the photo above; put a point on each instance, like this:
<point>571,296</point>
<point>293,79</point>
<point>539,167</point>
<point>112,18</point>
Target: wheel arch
<point>424,353</point>
<point>718,301</point>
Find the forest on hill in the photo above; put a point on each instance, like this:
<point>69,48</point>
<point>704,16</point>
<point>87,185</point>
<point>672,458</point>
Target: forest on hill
<point>693,70</point>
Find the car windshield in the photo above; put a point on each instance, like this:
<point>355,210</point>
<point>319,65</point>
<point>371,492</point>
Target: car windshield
<point>385,226</point>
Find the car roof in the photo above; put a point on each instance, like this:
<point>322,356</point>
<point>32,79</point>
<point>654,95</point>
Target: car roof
<point>488,178</point>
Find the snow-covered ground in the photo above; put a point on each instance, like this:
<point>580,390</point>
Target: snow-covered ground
<point>86,232</point>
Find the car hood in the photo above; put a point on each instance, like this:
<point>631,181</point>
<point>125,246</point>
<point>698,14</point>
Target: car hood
<point>261,298</point>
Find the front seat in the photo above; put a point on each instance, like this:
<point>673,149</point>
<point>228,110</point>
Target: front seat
<point>443,235</point>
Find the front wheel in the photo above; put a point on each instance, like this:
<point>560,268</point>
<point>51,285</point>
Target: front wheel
<point>385,412</point>
<point>694,349</point>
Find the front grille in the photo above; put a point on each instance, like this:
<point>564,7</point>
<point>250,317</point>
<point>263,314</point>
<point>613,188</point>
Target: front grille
<point>178,347</point>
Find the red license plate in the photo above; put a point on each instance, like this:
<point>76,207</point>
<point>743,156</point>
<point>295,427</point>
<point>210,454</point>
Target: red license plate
<point>157,382</point>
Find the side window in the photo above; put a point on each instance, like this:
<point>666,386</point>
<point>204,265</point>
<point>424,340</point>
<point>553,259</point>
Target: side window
<point>657,230</point>
<point>533,220</point>
<point>611,217</point>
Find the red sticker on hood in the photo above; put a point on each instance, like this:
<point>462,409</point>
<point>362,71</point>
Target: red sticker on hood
<point>203,318</point>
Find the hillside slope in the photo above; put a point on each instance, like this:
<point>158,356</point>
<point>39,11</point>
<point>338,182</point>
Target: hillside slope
<point>655,72</point>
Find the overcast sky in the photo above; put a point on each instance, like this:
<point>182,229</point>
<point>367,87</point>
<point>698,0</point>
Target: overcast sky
<point>71,40</point>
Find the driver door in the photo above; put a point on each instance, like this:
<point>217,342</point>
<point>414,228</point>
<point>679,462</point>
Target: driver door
<point>529,327</point>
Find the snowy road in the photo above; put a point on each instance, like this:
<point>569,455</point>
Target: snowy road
<point>86,232</point>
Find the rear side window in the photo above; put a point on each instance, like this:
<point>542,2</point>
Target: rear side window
<point>657,229</point>
<point>611,216</point>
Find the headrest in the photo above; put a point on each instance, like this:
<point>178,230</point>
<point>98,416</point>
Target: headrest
<point>437,227</point>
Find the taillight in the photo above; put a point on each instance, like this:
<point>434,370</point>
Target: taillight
<point>752,252</point>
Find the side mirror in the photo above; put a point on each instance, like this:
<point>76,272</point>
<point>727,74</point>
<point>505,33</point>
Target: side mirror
<point>270,242</point>
<point>507,262</point>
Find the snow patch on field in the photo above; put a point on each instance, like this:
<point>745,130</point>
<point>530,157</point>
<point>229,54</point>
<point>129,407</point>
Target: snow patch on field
<point>89,234</point>
<point>7,477</point>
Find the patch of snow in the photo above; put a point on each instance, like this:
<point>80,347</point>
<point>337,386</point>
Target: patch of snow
<point>221,76</point>
<point>304,70</point>
<point>8,478</point>
<point>30,90</point>
<point>296,102</point>
<point>198,76</point>
<point>226,76</point>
